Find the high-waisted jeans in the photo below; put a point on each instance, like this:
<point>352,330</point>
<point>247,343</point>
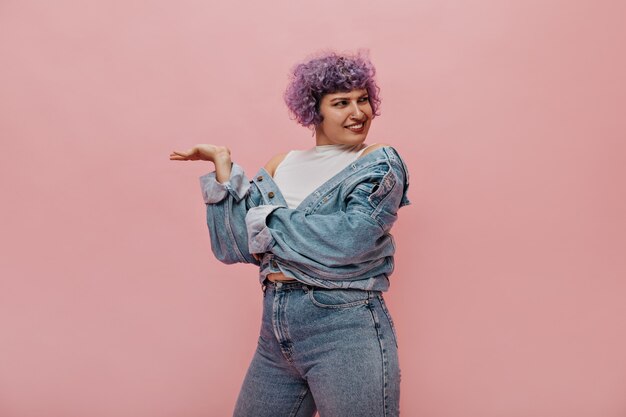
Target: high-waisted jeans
<point>334,351</point>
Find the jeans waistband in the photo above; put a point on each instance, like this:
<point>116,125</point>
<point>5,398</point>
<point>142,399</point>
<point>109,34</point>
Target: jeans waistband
<point>290,285</point>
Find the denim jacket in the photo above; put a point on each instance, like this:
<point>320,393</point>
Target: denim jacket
<point>338,237</point>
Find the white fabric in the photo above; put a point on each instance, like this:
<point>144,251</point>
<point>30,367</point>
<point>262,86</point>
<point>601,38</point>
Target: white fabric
<point>302,172</point>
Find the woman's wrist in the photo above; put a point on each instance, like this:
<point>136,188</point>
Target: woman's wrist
<point>223,164</point>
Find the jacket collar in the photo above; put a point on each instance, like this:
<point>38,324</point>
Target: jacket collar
<point>272,195</point>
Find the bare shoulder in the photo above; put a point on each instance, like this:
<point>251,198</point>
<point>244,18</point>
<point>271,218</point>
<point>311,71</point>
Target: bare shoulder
<point>373,147</point>
<point>273,163</point>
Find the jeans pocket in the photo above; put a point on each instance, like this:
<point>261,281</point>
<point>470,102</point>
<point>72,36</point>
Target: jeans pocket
<point>393,328</point>
<point>338,298</point>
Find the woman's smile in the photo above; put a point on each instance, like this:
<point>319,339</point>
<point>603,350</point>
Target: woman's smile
<point>357,127</point>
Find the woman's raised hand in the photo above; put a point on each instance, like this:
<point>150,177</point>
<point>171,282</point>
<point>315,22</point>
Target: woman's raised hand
<point>202,152</point>
<point>219,155</point>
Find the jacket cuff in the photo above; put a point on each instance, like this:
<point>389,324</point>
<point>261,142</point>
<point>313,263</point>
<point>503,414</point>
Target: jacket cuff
<point>260,238</point>
<point>214,191</point>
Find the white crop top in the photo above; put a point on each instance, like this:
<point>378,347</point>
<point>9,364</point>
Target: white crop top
<point>302,172</point>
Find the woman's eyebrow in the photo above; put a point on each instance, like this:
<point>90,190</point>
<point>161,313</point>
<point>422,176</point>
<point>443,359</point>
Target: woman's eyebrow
<point>346,98</point>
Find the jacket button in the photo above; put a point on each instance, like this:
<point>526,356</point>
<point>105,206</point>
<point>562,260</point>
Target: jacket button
<point>259,178</point>
<point>270,194</point>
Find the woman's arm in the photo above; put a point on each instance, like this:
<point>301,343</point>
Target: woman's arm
<point>270,167</point>
<point>219,155</point>
<point>226,192</point>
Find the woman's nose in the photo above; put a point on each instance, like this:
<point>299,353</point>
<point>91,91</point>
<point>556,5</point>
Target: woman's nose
<point>357,112</point>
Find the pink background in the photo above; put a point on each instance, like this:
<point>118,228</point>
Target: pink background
<point>509,294</point>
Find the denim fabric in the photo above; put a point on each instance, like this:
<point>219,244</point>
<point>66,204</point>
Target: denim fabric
<point>339,236</point>
<point>330,350</point>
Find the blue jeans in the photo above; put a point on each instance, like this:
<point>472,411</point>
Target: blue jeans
<point>332,351</point>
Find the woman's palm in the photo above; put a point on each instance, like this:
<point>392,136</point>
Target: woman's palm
<point>199,152</point>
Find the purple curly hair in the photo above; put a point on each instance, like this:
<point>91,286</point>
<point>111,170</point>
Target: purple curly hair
<point>328,73</point>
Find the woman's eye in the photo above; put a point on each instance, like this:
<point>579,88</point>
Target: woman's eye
<point>346,102</point>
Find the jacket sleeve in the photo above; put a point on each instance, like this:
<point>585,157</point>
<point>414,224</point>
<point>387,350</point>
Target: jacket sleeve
<point>354,235</point>
<point>226,207</point>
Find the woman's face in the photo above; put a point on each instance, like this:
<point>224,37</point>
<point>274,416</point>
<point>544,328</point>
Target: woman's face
<point>347,118</point>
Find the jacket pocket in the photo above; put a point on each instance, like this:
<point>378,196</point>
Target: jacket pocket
<point>383,188</point>
<point>325,298</point>
<point>367,188</point>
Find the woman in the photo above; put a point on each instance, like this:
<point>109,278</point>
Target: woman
<point>317,223</point>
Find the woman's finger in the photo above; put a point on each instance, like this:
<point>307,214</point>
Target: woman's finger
<point>182,156</point>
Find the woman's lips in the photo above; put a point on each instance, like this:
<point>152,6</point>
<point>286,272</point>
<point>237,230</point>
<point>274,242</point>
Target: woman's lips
<point>357,127</point>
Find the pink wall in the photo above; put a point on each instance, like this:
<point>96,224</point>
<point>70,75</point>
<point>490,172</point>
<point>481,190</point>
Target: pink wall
<point>509,290</point>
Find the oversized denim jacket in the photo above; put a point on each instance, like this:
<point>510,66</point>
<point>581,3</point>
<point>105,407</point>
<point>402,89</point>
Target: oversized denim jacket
<point>338,237</point>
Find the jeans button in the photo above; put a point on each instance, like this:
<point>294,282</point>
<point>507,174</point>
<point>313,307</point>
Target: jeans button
<point>259,178</point>
<point>279,284</point>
